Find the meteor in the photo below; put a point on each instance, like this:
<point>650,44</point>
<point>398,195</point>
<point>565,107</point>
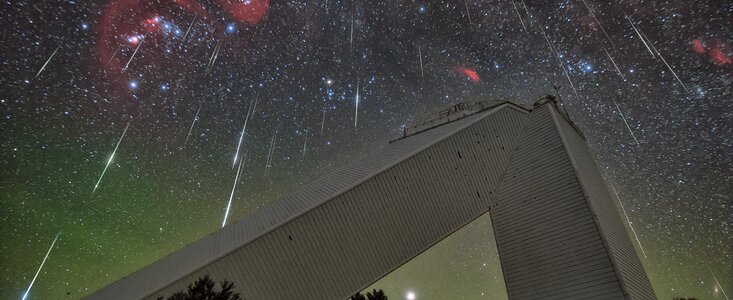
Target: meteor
<point>215,54</point>
<point>189,27</point>
<point>562,65</point>
<point>351,35</point>
<point>305,143</point>
<point>419,54</point>
<point>270,153</point>
<point>241,136</point>
<point>665,62</point>
<point>323,121</point>
<point>718,283</point>
<point>195,118</point>
<point>468,13</point>
<point>25,295</point>
<point>111,157</point>
<point>47,61</point>
<point>614,64</point>
<point>628,221</point>
<point>627,123</point>
<point>113,55</point>
<point>520,16</point>
<point>639,34</point>
<point>229,205</point>
<point>356,100</point>
<point>599,24</point>
<point>135,52</point>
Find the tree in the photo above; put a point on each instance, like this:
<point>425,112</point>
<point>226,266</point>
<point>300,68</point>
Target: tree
<point>203,289</point>
<point>373,295</point>
<point>376,295</point>
<point>358,296</point>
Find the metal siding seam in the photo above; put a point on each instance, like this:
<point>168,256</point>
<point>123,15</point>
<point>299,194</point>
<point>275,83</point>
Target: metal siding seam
<point>322,221</point>
<point>443,154</point>
<point>493,197</point>
<point>339,227</point>
<point>412,201</point>
<point>450,158</point>
<point>362,256</point>
<point>620,277</point>
<point>395,214</point>
<point>350,237</point>
<point>507,271</point>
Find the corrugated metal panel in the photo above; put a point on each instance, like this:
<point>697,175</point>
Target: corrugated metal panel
<point>392,217</point>
<point>230,238</point>
<point>541,247</point>
<point>629,268</point>
<point>350,228</point>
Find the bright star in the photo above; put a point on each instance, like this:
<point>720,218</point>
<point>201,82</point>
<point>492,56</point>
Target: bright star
<point>411,296</point>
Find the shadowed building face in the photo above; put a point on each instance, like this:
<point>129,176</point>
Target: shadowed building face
<point>558,233</point>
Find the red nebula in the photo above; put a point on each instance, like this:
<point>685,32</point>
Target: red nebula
<point>250,11</point>
<point>697,46</point>
<point>472,75</point>
<point>719,58</point>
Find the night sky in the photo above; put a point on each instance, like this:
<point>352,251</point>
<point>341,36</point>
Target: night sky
<point>121,121</point>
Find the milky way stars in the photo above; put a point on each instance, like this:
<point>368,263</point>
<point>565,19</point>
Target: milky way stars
<point>136,127</point>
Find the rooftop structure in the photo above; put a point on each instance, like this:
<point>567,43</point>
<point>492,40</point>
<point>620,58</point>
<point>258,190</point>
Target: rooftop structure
<point>558,233</point>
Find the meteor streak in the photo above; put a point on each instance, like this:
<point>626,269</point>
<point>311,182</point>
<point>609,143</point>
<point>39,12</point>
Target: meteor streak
<point>25,295</point>
<point>113,55</point>
<point>111,157</point>
<point>305,143</point>
<point>419,54</point>
<point>47,61</point>
<point>599,24</point>
<point>195,118</point>
<point>628,221</point>
<point>718,283</point>
<point>135,52</point>
<point>627,123</point>
<point>241,136</point>
<point>639,34</point>
<point>468,13</point>
<point>323,121</point>
<point>229,205</point>
<point>270,153</point>
<point>520,16</point>
<point>665,62</point>
<point>614,64</point>
<point>351,35</point>
<point>189,27</point>
<point>257,99</point>
<point>562,65</point>
<point>356,108</point>
<point>215,54</point>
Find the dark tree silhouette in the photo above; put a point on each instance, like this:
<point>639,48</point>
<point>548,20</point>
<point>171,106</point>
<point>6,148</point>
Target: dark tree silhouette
<point>373,295</point>
<point>358,296</point>
<point>376,295</point>
<point>203,289</point>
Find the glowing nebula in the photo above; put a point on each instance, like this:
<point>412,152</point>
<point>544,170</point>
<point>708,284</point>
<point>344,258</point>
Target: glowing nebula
<point>697,46</point>
<point>249,11</point>
<point>472,75</point>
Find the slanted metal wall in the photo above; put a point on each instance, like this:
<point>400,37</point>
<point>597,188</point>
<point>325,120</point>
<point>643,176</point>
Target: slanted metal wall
<point>626,260</point>
<point>348,229</point>
<point>548,243</point>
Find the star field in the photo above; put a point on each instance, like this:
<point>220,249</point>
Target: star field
<point>149,100</point>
